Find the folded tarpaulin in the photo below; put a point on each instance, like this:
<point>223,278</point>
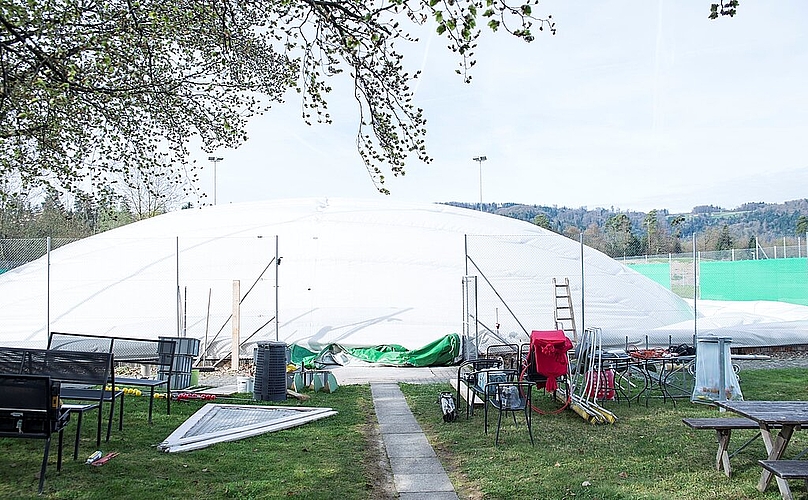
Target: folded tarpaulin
<point>442,352</point>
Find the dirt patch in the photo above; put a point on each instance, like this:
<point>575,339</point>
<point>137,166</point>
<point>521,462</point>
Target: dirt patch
<point>465,488</point>
<point>377,469</point>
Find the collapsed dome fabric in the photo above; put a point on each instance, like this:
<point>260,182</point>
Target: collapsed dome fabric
<point>352,272</point>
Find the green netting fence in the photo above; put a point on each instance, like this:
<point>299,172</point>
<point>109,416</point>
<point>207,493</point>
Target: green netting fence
<point>783,280</point>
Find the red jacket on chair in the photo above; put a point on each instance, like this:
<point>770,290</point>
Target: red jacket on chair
<point>549,350</point>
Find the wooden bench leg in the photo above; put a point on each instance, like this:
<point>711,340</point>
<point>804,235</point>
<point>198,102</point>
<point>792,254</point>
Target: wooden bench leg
<point>785,490</point>
<point>776,453</point>
<point>722,457</point>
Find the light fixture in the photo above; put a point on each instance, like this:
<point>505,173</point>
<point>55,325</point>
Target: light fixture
<point>215,160</point>
<point>480,160</point>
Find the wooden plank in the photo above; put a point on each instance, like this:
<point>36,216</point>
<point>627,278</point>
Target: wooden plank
<point>464,390</point>
<point>297,395</point>
<point>787,469</point>
<point>720,423</point>
<point>236,325</point>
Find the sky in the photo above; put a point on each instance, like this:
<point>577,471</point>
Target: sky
<point>631,105</point>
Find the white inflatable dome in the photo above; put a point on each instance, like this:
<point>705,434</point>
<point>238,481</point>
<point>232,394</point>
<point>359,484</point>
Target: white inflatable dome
<point>353,272</point>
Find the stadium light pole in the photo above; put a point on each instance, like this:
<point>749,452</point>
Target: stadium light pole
<point>215,160</point>
<point>480,160</point>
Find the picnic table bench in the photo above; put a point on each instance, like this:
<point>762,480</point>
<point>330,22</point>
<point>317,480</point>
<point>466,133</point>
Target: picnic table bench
<point>787,469</point>
<point>29,408</point>
<point>723,428</point>
<point>788,416</point>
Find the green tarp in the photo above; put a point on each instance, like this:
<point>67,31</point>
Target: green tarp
<point>444,351</point>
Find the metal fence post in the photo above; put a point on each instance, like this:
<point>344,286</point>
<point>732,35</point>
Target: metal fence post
<point>47,286</point>
<point>695,289</point>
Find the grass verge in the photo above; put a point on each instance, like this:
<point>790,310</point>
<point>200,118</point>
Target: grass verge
<point>647,454</point>
<point>322,459</point>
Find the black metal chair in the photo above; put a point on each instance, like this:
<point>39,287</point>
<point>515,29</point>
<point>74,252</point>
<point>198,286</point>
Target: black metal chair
<point>510,354</point>
<point>79,409</point>
<point>512,397</point>
<point>160,353</point>
<point>467,374</point>
<point>29,408</point>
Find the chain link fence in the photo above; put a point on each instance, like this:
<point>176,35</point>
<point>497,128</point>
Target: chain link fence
<point>516,292</point>
<point>511,302</point>
<point>173,299</point>
<point>773,274</point>
<point>17,252</point>
<point>513,295</point>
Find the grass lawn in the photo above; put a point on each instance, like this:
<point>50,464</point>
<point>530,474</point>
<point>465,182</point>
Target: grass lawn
<point>647,454</point>
<point>328,458</point>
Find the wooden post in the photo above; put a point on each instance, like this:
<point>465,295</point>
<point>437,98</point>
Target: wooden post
<point>236,323</point>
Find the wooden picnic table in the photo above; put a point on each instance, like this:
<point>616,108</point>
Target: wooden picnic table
<point>789,415</point>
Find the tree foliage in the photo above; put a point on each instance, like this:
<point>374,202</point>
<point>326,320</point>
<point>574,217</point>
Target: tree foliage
<point>93,90</point>
<point>725,240</point>
<point>542,221</point>
<point>652,232</point>
<point>59,216</point>
<point>625,233</point>
<point>620,236</point>
<point>802,225</point>
<point>728,8</point>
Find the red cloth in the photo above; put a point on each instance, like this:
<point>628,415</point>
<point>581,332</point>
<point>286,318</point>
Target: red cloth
<point>550,354</point>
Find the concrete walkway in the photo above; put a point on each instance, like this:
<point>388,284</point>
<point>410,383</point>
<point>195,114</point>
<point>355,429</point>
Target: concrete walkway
<point>351,375</point>
<point>417,471</point>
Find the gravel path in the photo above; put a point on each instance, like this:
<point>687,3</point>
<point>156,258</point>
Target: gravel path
<point>219,378</point>
<point>790,359</point>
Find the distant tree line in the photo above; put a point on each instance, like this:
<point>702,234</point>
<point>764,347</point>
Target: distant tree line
<point>615,232</point>
<point>620,233</point>
<point>50,214</point>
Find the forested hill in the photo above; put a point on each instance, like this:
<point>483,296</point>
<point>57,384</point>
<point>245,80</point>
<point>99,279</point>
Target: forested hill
<point>765,221</point>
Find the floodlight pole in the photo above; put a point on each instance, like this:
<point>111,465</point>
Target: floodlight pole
<point>215,160</point>
<point>480,160</point>
<point>277,263</point>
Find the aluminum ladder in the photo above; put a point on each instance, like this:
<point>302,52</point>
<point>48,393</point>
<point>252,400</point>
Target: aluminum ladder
<point>564,315</point>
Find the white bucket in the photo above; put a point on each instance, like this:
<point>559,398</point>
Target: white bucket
<point>244,384</point>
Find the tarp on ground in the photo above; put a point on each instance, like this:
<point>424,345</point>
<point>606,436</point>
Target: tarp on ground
<point>442,352</point>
